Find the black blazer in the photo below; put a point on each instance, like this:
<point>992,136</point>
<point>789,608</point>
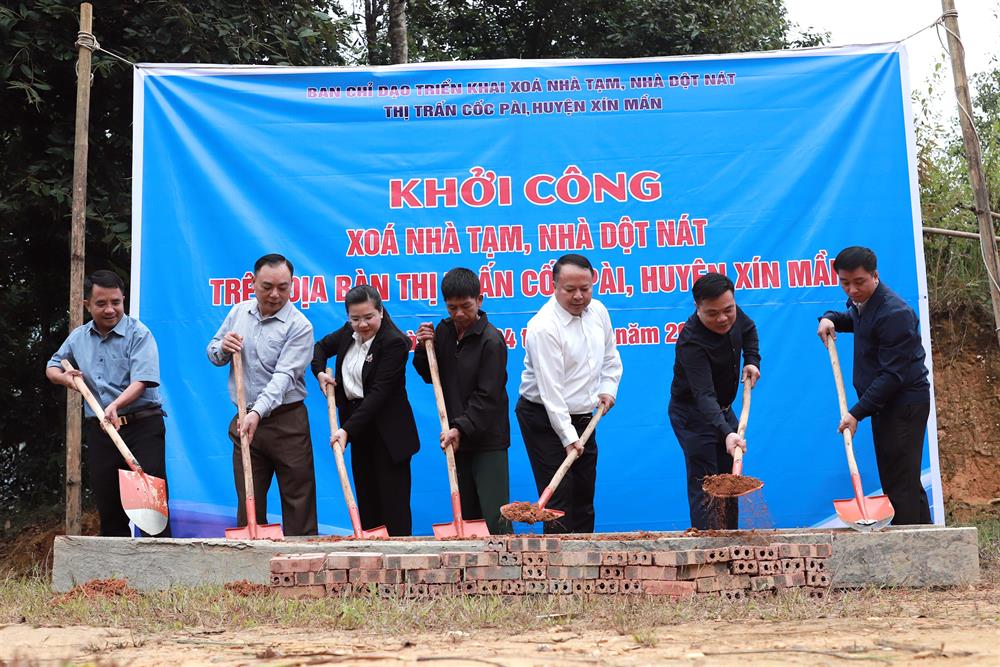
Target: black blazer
<point>385,410</point>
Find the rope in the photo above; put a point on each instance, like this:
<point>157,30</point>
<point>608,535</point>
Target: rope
<point>87,41</point>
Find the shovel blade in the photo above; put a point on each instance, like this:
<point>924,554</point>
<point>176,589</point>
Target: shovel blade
<point>378,533</point>
<point>865,513</point>
<point>144,499</point>
<point>468,528</point>
<point>260,531</point>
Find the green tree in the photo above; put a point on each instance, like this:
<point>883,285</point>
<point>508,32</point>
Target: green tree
<point>37,99</point>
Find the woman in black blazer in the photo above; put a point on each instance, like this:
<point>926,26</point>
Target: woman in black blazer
<point>375,414</point>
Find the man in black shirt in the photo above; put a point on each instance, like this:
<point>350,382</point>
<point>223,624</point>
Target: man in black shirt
<point>890,377</point>
<point>706,378</point>
<point>472,361</point>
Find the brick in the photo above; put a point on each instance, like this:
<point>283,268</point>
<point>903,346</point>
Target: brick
<point>787,550</point>
<point>722,582</point>
<point>469,558</point>
<point>495,544</point>
<point>535,557</point>
<point>536,587</point>
<point>467,587</point>
<point>335,576</point>
<point>572,558</point>
<point>573,572</point>
<point>512,587</point>
<point>302,592</point>
<point>820,579</point>
<point>510,558</point>
<point>534,544</point>
<point>346,560</point>
<point>795,579</point>
<point>606,586</point>
<point>579,586</point>
<point>560,586</point>
<point>762,595</point>
<point>286,578</point>
<point>437,576</point>
<point>743,567</point>
<point>534,572</point>
<point>415,590</point>
<point>309,578</point>
<point>277,579</point>
<point>822,550</point>
<point>768,567</point>
<point>674,558</point>
<point>490,587</point>
<point>733,595</point>
<point>612,571</point>
<point>389,590</point>
<point>791,565</point>
<point>312,562</point>
<point>412,561</point>
<point>359,576</point>
<point>493,572</point>
<point>687,572</point>
<point>742,553</point>
<point>718,555</point>
<point>614,558</point>
<point>766,553</point>
<point>589,586</point>
<point>279,564</point>
<point>337,590</point>
<point>776,581</point>
<point>658,572</point>
<point>815,593</point>
<point>436,591</point>
<point>815,565</point>
<point>640,558</point>
<point>630,586</point>
<point>677,589</point>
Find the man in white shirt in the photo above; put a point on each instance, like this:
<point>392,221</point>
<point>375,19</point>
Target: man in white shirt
<point>571,367</point>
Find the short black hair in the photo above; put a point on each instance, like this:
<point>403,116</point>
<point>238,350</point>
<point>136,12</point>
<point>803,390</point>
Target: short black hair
<point>102,278</point>
<point>362,294</point>
<point>273,259</point>
<point>711,286</point>
<point>575,260</point>
<point>460,283</point>
<point>855,257</point>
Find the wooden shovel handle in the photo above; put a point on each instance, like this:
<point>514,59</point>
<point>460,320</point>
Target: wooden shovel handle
<point>831,346</point>
<point>338,452</point>
<point>442,415</point>
<point>241,408</point>
<point>742,428</point>
<point>572,456</point>
<point>95,405</point>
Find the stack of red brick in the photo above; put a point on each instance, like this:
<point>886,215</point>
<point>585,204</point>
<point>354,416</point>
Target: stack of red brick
<point>539,566</point>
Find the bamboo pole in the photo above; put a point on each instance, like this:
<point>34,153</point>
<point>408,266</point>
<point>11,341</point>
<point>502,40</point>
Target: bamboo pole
<point>76,266</point>
<point>987,238</point>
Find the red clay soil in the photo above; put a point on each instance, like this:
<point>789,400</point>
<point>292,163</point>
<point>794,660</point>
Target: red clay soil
<point>31,546</point>
<point>728,486</point>
<point>99,589</point>
<point>247,589</point>
<point>525,512</point>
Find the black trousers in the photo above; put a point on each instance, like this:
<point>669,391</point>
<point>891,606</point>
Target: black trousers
<point>899,445</point>
<point>575,495</point>
<point>381,484</point>
<point>145,439</point>
<point>484,484</point>
<point>280,448</point>
<point>704,454</point>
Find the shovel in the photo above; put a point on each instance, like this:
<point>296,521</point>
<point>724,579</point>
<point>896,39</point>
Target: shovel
<point>860,513</point>
<point>253,530</point>
<point>381,532</point>
<point>457,527</point>
<point>528,513</point>
<point>737,485</point>
<point>144,497</point>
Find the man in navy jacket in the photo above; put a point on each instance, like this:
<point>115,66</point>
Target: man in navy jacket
<point>890,377</point>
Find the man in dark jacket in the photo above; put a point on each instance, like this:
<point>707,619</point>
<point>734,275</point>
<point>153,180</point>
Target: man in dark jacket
<point>890,377</point>
<point>706,378</point>
<point>472,361</point>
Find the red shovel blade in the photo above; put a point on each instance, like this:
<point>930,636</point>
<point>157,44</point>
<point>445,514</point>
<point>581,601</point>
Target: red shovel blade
<point>256,531</point>
<point>865,513</point>
<point>463,528</point>
<point>377,533</point>
<point>144,499</point>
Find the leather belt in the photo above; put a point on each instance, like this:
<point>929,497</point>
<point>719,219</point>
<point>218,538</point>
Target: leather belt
<point>132,417</point>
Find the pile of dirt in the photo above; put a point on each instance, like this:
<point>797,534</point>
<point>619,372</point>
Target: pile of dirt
<point>99,589</point>
<point>727,485</point>
<point>31,546</point>
<point>525,512</point>
<point>248,589</point>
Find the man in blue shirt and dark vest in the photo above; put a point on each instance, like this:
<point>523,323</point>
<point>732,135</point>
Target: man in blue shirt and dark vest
<point>890,377</point>
<point>118,359</point>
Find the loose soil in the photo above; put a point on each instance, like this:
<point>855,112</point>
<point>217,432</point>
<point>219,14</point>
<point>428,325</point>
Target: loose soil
<point>97,589</point>
<point>248,589</point>
<point>729,486</point>
<point>525,512</point>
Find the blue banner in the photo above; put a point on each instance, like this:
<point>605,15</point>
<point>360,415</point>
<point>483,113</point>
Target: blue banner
<point>759,165</point>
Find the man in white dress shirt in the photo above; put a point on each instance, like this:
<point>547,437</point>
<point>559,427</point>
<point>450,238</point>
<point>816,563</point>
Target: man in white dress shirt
<point>571,367</point>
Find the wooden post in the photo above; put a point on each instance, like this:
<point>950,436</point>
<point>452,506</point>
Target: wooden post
<point>987,238</point>
<point>76,267</point>
<point>397,31</point>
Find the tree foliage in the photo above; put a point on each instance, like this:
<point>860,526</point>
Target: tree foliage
<point>37,99</point>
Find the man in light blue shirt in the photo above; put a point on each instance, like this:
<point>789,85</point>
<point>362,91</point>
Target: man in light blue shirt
<point>117,357</point>
<point>276,341</point>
